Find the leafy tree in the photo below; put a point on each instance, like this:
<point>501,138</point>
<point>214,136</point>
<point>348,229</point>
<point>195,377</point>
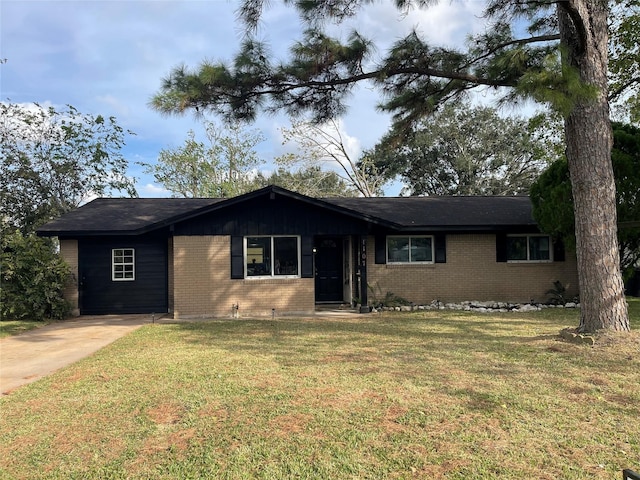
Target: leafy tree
<point>624,51</point>
<point>53,160</point>
<point>553,202</point>
<point>223,167</point>
<point>312,181</point>
<point>185,171</point>
<point>32,279</point>
<point>325,145</point>
<point>465,150</point>
<point>561,59</point>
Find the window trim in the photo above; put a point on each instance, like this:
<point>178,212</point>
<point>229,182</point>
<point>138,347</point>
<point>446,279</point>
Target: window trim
<point>423,262</point>
<point>271,275</point>
<point>123,263</point>
<point>528,236</point>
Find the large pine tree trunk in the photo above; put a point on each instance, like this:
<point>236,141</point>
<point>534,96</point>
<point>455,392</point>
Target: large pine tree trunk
<point>584,32</point>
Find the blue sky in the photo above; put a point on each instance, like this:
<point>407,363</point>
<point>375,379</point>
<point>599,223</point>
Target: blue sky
<point>108,58</point>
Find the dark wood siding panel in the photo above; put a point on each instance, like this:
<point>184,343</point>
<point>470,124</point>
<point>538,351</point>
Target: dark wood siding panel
<point>100,295</point>
<point>280,216</point>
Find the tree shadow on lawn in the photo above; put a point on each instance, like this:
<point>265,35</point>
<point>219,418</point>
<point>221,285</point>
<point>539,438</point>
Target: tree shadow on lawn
<point>480,364</point>
<point>499,345</point>
<point>503,345</point>
<point>459,328</point>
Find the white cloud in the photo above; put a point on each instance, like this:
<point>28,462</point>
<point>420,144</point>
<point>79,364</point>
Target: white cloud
<point>443,24</point>
<point>153,191</point>
<point>351,143</point>
<point>115,104</point>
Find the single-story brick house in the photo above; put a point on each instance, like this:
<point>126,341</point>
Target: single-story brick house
<point>276,249</point>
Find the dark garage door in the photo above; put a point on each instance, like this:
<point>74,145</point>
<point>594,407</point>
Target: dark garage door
<point>100,294</point>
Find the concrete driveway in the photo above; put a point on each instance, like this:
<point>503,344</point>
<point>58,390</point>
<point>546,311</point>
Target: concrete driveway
<point>34,354</point>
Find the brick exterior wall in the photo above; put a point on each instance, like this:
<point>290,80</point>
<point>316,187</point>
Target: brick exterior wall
<point>203,287</point>
<point>69,252</point>
<point>471,273</point>
<point>200,283</point>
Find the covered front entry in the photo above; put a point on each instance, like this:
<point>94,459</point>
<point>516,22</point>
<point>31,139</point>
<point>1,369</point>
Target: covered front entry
<point>329,269</point>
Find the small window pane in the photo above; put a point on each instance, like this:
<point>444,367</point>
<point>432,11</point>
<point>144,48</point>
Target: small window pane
<point>123,264</point>
<point>517,248</point>
<point>539,248</point>
<point>258,256</point>
<point>285,256</point>
<point>421,250</point>
<point>398,249</point>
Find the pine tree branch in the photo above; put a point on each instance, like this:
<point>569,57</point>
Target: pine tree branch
<point>282,87</point>
<point>519,42</point>
<point>618,91</point>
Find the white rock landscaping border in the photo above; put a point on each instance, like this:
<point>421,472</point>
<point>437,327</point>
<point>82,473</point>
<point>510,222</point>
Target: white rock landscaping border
<point>475,306</point>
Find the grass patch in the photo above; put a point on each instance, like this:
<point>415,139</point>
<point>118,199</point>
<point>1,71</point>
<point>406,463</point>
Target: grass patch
<point>16,327</point>
<point>423,395</point>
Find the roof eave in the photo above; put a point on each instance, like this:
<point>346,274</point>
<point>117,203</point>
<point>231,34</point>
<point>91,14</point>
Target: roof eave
<point>87,233</point>
<point>467,228</point>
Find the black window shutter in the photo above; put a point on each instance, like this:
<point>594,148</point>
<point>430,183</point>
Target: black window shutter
<point>501,247</point>
<point>558,251</point>
<point>381,249</point>
<point>237,257</point>
<point>441,248</point>
<point>306,246</point>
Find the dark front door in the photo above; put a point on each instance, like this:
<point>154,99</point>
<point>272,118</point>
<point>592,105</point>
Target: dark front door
<point>329,263</point>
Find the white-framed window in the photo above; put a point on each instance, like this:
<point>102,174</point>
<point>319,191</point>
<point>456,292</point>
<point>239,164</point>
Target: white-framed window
<point>410,249</point>
<point>528,248</point>
<point>272,256</point>
<point>123,264</point>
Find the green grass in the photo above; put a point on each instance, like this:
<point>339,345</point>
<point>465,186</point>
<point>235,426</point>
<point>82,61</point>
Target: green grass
<point>15,327</point>
<point>424,395</point>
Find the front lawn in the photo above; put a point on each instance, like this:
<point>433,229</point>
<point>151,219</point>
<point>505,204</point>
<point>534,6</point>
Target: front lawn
<point>418,395</point>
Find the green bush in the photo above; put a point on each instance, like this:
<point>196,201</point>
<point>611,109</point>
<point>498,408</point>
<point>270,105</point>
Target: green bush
<point>389,299</point>
<point>33,278</point>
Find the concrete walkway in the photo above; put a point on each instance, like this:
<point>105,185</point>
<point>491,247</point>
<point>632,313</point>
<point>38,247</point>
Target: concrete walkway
<point>37,353</point>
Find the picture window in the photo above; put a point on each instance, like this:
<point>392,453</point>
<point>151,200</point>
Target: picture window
<point>272,256</point>
<point>528,248</point>
<point>410,249</point>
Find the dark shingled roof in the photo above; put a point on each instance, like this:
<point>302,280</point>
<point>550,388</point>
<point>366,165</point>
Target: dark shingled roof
<point>444,211</point>
<point>120,215</point>
<point>111,216</point>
